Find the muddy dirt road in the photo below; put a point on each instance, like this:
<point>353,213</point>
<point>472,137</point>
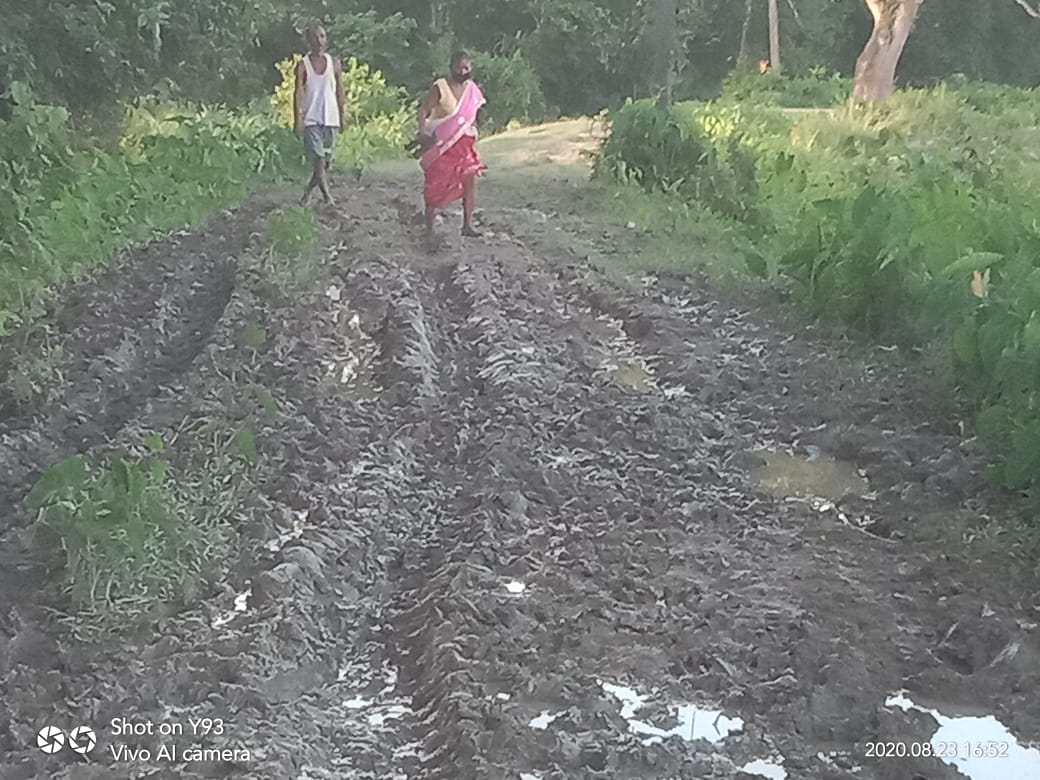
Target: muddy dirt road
<point>513,521</point>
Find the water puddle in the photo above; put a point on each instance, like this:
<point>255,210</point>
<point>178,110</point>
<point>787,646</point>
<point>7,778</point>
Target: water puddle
<point>814,476</point>
<point>515,588</point>
<point>980,747</point>
<point>294,533</point>
<point>543,721</point>
<point>385,706</point>
<point>693,722</point>
<point>241,606</point>
<point>770,769</point>
<point>633,376</point>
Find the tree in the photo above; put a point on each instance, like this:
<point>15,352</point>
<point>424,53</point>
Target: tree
<point>1034,12</point>
<point>774,36</point>
<point>664,40</point>
<point>893,22</point>
<point>876,67</point>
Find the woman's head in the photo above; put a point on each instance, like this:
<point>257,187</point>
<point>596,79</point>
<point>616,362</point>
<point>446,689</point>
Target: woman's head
<point>461,66</point>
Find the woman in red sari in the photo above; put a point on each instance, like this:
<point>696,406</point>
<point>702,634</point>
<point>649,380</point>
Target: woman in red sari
<point>448,135</point>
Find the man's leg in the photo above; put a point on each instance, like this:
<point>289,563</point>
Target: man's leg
<point>311,151</point>
<point>469,199</point>
<point>322,168</point>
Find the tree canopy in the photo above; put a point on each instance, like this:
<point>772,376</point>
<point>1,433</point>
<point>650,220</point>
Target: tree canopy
<point>586,54</point>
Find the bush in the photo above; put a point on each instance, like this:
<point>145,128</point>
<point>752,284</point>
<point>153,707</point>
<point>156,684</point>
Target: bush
<point>911,221</point>
<point>512,88</point>
<point>815,89</point>
<point>125,536</point>
<point>65,210</point>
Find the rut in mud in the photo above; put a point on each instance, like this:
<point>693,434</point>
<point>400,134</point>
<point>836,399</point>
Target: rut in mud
<point>498,492</point>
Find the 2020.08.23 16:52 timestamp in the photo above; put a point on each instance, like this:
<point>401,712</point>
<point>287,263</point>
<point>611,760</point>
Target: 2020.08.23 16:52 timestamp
<point>947,750</point>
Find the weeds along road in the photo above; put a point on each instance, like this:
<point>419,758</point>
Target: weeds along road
<point>500,517</point>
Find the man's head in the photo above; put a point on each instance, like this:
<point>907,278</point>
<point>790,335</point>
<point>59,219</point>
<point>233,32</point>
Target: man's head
<point>461,66</point>
<point>317,38</point>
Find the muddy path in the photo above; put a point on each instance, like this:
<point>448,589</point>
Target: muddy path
<point>499,497</point>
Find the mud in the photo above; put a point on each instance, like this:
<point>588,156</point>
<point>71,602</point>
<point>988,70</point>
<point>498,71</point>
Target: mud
<point>496,487</point>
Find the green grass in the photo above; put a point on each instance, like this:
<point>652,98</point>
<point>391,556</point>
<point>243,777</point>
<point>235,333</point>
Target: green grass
<point>291,262</point>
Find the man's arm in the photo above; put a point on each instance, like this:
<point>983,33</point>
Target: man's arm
<point>301,77</point>
<point>341,98</point>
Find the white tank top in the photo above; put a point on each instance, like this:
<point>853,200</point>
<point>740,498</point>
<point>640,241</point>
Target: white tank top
<point>319,95</point>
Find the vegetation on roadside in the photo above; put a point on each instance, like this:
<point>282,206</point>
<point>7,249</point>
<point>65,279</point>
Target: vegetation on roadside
<point>128,538</point>
<point>290,262</point>
<point>913,221</point>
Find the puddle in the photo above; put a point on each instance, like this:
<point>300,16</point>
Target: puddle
<point>770,769</point>
<point>298,523</point>
<point>693,722</point>
<point>958,737</point>
<point>814,476</point>
<point>241,606</point>
<point>633,376</point>
<point>543,721</point>
<point>515,588</point>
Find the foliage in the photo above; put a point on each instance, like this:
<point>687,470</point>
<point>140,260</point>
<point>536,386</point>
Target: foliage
<point>67,206</point>
<point>291,259</point>
<point>125,536</point>
<point>815,89</point>
<point>913,221</point>
<point>512,88</point>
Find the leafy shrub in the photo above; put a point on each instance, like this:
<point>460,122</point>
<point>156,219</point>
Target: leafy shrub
<point>814,89</point>
<point>124,535</point>
<point>512,87</point>
<point>65,210</point>
<point>913,221</point>
<point>683,151</point>
<point>290,263</point>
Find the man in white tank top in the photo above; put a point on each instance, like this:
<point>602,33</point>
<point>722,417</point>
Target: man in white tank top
<point>318,98</point>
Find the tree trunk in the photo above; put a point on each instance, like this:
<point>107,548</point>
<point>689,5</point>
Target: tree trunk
<point>876,66</point>
<point>664,41</point>
<point>774,36</point>
<point>743,56</point>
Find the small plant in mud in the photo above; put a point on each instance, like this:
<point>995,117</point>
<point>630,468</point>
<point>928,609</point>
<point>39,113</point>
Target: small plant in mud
<point>126,537</point>
<point>35,369</point>
<point>291,260</point>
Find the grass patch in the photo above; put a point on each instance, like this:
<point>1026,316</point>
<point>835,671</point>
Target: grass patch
<point>291,261</point>
<point>129,539</point>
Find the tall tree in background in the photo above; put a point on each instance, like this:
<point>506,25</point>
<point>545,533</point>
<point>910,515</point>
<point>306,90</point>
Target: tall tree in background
<point>744,55</point>
<point>875,77</point>
<point>664,43</point>
<point>774,36</point>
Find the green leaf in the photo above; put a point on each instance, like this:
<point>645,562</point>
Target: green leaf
<point>973,261</point>
<point>254,336</point>
<point>965,342</point>
<point>994,425</point>
<point>245,445</point>
<point>155,443</point>
<point>267,400</point>
<point>70,473</point>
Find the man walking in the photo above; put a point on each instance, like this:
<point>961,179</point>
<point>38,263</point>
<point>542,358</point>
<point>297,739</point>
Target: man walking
<point>318,99</point>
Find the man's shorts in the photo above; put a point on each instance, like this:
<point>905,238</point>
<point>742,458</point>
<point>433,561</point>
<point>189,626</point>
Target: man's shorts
<point>319,141</point>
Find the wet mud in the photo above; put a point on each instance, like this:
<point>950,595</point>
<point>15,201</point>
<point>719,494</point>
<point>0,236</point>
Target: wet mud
<point>509,521</point>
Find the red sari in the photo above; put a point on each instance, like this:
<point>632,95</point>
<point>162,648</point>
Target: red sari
<point>453,158</point>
